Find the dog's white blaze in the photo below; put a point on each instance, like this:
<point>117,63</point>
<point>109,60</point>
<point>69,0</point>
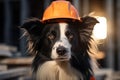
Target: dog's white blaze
<point>62,42</point>
<point>63,39</point>
<point>63,27</point>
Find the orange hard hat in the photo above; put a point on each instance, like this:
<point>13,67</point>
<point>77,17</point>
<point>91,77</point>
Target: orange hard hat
<point>60,10</point>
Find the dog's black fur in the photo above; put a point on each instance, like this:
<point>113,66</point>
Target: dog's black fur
<point>38,45</point>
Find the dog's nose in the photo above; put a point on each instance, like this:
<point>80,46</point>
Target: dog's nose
<point>61,51</point>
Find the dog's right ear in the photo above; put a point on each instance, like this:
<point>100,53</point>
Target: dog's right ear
<point>33,26</point>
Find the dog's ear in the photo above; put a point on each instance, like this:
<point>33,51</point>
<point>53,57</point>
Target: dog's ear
<point>33,26</point>
<point>33,30</point>
<point>87,24</point>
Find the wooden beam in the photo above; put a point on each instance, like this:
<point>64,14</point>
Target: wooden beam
<point>14,73</point>
<point>3,67</point>
<point>110,36</point>
<point>17,61</point>
<point>118,31</point>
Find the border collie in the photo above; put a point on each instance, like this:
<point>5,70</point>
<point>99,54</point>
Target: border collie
<point>62,48</point>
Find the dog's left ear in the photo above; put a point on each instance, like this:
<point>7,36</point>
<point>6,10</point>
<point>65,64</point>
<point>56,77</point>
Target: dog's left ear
<point>87,24</point>
<point>33,26</point>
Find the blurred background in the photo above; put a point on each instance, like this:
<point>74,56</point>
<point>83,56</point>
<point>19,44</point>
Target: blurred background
<point>14,60</point>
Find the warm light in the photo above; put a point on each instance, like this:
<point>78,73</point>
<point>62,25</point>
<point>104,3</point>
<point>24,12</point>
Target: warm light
<point>100,29</point>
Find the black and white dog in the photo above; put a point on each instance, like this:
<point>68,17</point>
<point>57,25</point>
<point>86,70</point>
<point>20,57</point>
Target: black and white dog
<point>62,48</point>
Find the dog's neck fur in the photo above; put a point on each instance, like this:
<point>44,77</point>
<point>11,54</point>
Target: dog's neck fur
<point>52,70</point>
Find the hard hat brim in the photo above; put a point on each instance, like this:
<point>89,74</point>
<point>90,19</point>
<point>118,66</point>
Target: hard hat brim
<point>60,20</point>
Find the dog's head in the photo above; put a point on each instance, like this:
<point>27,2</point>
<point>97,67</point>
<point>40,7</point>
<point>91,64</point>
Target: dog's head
<point>60,41</point>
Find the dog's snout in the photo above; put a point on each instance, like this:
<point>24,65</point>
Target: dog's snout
<point>61,50</point>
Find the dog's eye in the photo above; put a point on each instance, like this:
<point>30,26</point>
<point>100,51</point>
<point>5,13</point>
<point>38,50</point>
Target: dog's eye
<point>69,35</point>
<point>51,35</point>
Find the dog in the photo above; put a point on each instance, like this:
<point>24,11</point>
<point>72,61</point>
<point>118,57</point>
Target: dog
<point>62,48</point>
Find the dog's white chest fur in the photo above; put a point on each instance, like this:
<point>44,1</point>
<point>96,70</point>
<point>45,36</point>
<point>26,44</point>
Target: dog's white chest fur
<point>53,70</point>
